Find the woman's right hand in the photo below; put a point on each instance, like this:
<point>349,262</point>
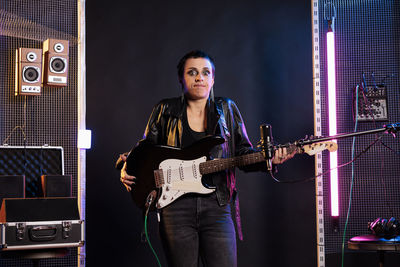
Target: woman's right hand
<point>126,179</point>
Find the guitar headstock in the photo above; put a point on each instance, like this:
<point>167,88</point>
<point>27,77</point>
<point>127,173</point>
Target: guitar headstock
<point>310,149</point>
<point>315,148</point>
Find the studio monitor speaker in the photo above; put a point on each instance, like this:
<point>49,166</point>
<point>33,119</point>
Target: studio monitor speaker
<point>12,186</point>
<point>55,59</point>
<point>57,185</point>
<point>28,71</point>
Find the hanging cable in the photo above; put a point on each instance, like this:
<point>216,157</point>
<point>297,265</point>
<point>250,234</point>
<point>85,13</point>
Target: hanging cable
<point>352,178</point>
<point>391,149</point>
<point>326,172</point>
<point>21,127</point>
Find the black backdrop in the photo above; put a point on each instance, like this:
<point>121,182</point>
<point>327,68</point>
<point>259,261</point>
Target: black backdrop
<point>263,56</point>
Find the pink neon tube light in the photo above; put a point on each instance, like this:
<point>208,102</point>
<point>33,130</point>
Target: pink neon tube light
<point>330,37</point>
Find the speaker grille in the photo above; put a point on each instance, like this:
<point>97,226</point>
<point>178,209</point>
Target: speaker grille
<point>12,186</point>
<point>56,185</point>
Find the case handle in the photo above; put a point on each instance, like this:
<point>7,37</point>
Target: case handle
<point>34,233</point>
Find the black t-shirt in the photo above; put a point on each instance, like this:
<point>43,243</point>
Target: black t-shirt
<point>188,135</point>
<point>188,138</point>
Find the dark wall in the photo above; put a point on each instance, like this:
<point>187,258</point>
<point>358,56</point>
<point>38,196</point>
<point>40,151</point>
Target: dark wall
<point>263,56</point>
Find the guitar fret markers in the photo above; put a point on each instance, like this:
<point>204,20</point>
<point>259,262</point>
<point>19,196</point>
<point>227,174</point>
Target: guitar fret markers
<point>222,164</point>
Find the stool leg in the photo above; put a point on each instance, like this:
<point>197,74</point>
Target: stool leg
<point>381,257</point>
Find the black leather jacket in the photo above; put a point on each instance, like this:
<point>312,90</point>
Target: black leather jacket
<point>165,128</point>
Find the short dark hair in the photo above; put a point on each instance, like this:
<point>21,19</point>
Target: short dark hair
<point>193,54</point>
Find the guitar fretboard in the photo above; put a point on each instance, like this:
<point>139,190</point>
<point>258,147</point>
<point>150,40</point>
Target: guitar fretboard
<point>217,165</point>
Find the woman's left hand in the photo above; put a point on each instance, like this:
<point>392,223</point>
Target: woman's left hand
<point>281,155</point>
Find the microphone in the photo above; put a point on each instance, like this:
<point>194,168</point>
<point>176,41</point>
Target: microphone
<point>392,128</point>
<point>267,144</point>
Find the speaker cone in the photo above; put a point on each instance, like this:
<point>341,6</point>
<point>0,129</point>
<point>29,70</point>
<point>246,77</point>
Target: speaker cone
<point>31,74</point>
<point>57,65</point>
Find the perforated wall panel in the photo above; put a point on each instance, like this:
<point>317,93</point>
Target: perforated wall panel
<point>367,54</point>
<point>50,118</point>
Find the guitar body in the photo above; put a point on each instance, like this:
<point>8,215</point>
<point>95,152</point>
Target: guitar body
<point>175,164</point>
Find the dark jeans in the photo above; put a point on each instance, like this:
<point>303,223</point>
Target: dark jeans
<point>195,225</point>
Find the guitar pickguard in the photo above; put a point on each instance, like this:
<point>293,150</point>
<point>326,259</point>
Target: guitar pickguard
<point>180,177</point>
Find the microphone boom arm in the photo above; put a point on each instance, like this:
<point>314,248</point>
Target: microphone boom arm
<point>391,128</point>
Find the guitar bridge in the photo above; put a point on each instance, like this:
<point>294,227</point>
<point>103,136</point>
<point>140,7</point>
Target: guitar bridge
<point>158,178</point>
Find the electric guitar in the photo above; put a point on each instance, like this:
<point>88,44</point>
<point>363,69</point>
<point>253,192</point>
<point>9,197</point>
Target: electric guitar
<point>173,172</point>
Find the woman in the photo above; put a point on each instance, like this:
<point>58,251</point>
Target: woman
<point>195,225</point>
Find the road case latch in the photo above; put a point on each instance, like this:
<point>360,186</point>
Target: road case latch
<point>20,230</point>
<point>66,229</point>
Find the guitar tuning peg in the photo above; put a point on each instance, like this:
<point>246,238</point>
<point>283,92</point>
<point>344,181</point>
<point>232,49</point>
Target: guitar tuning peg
<point>307,137</point>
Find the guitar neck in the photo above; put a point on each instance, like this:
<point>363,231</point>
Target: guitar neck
<point>218,165</point>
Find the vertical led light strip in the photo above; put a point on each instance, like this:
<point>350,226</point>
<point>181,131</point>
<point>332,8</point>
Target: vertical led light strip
<point>82,120</point>
<point>330,38</point>
<point>319,187</point>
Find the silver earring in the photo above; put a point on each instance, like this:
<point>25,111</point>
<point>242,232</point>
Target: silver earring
<point>182,96</point>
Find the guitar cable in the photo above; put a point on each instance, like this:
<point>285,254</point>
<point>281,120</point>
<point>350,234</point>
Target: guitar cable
<point>149,201</point>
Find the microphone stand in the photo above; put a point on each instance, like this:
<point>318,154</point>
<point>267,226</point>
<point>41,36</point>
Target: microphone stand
<point>390,128</point>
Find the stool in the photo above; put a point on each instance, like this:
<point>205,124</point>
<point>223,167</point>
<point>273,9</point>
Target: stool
<point>375,243</point>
